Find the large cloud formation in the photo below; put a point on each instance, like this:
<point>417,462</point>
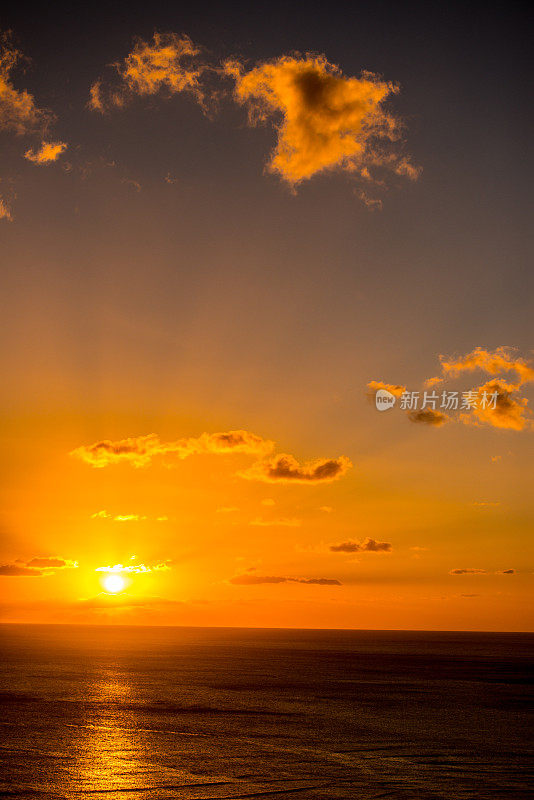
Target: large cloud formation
<point>325,120</point>
<point>254,580</point>
<point>285,468</point>
<point>19,112</point>
<point>169,63</point>
<point>140,450</point>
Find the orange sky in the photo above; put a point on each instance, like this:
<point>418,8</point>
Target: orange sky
<point>160,285</point>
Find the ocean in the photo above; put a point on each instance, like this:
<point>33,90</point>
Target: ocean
<point>202,714</point>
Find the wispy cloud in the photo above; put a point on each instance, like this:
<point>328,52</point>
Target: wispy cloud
<point>168,64</point>
<point>254,580</point>
<point>5,210</point>
<point>283,522</point>
<point>136,568</point>
<point>394,388</point>
<point>324,119</point>
<point>502,359</point>
<point>468,571</point>
<point>140,450</point>
<point>47,153</point>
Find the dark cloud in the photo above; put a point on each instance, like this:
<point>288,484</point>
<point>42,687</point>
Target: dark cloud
<point>368,545</point>
<point>253,580</point>
<point>428,417</point>
<point>468,572</point>
<point>285,468</point>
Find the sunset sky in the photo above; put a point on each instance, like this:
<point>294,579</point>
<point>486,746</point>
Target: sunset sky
<point>222,231</point>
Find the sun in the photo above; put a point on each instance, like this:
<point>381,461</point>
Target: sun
<point>113,583</point>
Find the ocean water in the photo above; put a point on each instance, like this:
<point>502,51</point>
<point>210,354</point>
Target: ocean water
<point>191,713</point>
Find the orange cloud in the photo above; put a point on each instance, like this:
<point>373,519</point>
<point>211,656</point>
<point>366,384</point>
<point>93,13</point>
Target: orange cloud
<point>367,546</point>
<point>36,567</point>
<point>428,417</point>
<point>498,361</point>
<point>510,410</point>
<point>18,110</point>
<point>394,388</point>
<point>283,522</point>
<point>285,468</point>
<point>468,571</point>
<point>47,153</point>
<point>135,568</point>
<point>139,451</point>
<point>254,580</point>
<point>325,120</point>
<point>5,210</point>
<point>168,63</point>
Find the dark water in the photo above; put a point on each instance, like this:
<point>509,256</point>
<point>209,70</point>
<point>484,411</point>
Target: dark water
<point>201,713</point>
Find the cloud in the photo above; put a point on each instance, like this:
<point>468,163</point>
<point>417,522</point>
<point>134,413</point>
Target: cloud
<point>253,580</point>
<point>469,571</point>
<point>139,451</point>
<point>47,153</point>
<point>5,210</point>
<point>428,417</point>
<point>367,546</point>
<point>325,120</point>
<point>227,509</point>
<point>494,362</point>
<point>268,502</point>
<point>52,563</point>
<point>18,570</point>
<point>283,522</point>
<point>18,110</point>
<point>169,64</point>
<point>285,468</point>
<point>395,389</point>
<point>505,572</point>
<point>510,410</point>
<point>136,568</point>
<point>36,567</point>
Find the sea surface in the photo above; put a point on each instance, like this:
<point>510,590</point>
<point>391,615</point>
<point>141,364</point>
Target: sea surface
<point>202,714</point>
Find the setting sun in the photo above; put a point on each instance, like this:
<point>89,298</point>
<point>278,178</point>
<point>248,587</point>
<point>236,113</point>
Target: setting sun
<point>113,583</point>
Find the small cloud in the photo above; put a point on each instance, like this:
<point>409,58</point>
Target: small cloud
<point>428,417</point>
<point>5,210</point>
<point>268,502</point>
<point>417,548</point>
<point>393,388</point>
<point>254,580</point>
<point>169,64</point>
<point>484,504</point>
<point>283,523</point>
<point>227,509</point>
<point>326,509</point>
<point>47,153</point>
<point>505,572</point>
<point>496,458</point>
<point>469,571</point>
<point>367,546</point>
<point>285,468</point>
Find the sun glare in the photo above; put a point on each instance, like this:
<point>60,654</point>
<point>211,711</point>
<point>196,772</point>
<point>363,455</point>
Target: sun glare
<point>113,583</point>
